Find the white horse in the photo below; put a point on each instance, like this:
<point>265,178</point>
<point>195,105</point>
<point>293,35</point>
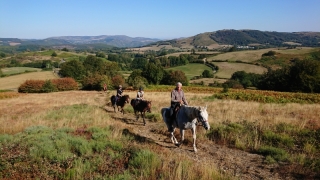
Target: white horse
<point>186,119</point>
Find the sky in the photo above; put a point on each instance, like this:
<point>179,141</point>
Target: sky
<point>162,19</point>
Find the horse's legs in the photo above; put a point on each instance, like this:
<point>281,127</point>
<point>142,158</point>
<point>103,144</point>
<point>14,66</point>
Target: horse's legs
<point>182,136</point>
<point>143,114</point>
<point>194,138</point>
<point>173,139</point>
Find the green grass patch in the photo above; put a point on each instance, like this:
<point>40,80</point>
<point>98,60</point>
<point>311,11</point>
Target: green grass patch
<point>191,70</point>
<point>18,70</point>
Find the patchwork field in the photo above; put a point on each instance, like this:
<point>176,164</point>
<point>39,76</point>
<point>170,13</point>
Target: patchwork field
<point>192,69</point>
<point>226,69</point>
<point>13,82</point>
<point>254,55</point>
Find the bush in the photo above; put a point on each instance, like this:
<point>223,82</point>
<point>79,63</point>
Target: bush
<point>31,86</point>
<point>41,86</point>
<point>65,84</point>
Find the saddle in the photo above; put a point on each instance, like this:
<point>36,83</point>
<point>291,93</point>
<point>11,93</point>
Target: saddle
<point>175,112</point>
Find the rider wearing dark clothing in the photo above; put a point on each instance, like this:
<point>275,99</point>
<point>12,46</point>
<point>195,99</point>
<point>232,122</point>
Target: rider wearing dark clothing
<point>119,93</point>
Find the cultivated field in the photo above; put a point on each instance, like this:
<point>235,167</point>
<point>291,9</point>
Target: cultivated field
<point>18,70</point>
<point>14,81</point>
<point>254,55</point>
<point>226,69</point>
<point>192,69</point>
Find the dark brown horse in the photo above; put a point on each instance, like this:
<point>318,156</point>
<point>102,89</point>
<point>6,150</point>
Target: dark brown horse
<point>141,106</point>
<point>121,102</point>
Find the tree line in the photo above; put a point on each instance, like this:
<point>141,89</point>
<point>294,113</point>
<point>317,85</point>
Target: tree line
<point>301,76</point>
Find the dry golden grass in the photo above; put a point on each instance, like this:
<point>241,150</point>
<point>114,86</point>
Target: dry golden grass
<point>31,109</point>
<point>13,82</point>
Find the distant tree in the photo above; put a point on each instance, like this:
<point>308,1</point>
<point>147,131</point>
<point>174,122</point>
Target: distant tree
<point>207,74</point>
<point>232,84</point>
<point>246,79</point>
<point>95,82</point>
<point>232,49</point>
<point>139,63</point>
<point>2,55</point>
<point>135,73</point>
<point>74,69</point>
<point>117,80</point>
<point>94,65</point>
<point>65,49</point>
<point>269,53</point>
<point>54,54</point>
<point>153,73</point>
<point>305,76</point>
<point>139,81</point>
<point>172,77</point>
<point>101,54</point>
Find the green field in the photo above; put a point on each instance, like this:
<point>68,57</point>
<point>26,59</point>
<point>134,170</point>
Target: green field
<point>192,69</point>
<point>18,70</point>
<point>14,81</point>
<point>254,55</point>
<point>226,69</point>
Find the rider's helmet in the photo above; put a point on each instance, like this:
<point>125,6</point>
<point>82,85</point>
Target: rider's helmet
<point>120,86</point>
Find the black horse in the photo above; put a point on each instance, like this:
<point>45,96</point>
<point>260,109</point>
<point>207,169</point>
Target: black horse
<point>141,106</point>
<point>120,103</point>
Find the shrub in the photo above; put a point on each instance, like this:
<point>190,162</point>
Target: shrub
<point>145,163</point>
<point>48,86</point>
<point>65,84</point>
<point>31,86</point>
<point>276,153</point>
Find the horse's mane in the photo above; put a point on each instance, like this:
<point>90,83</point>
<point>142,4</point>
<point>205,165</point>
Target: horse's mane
<point>192,110</point>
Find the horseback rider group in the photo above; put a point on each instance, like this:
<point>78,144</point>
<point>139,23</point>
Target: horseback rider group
<point>177,99</point>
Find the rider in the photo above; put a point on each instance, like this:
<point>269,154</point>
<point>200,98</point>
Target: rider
<point>177,99</point>
<point>119,93</point>
<point>140,94</point>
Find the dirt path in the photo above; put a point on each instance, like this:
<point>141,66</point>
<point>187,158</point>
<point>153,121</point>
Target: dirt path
<point>240,164</point>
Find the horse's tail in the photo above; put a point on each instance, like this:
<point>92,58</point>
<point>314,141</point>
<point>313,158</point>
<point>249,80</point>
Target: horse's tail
<point>113,100</point>
<point>132,102</point>
<point>163,110</point>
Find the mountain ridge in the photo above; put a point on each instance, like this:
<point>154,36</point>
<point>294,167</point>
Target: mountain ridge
<point>230,37</point>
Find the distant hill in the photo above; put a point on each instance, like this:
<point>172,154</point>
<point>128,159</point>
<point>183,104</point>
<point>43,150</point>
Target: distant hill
<point>221,38</point>
<point>210,40</point>
<point>115,41</point>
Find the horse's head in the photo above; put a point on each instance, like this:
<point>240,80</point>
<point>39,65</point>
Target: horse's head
<point>149,106</point>
<point>203,117</point>
<point>126,98</point>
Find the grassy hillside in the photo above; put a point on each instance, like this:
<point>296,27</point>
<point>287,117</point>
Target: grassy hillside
<point>226,69</point>
<point>13,82</point>
<point>75,135</point>
<point>254,55</point>
<point>18,70</point>
<point>191,70</point>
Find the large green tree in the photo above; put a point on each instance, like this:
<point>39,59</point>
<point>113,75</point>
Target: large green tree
<point>153,73</point>
<point>74,69</point>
